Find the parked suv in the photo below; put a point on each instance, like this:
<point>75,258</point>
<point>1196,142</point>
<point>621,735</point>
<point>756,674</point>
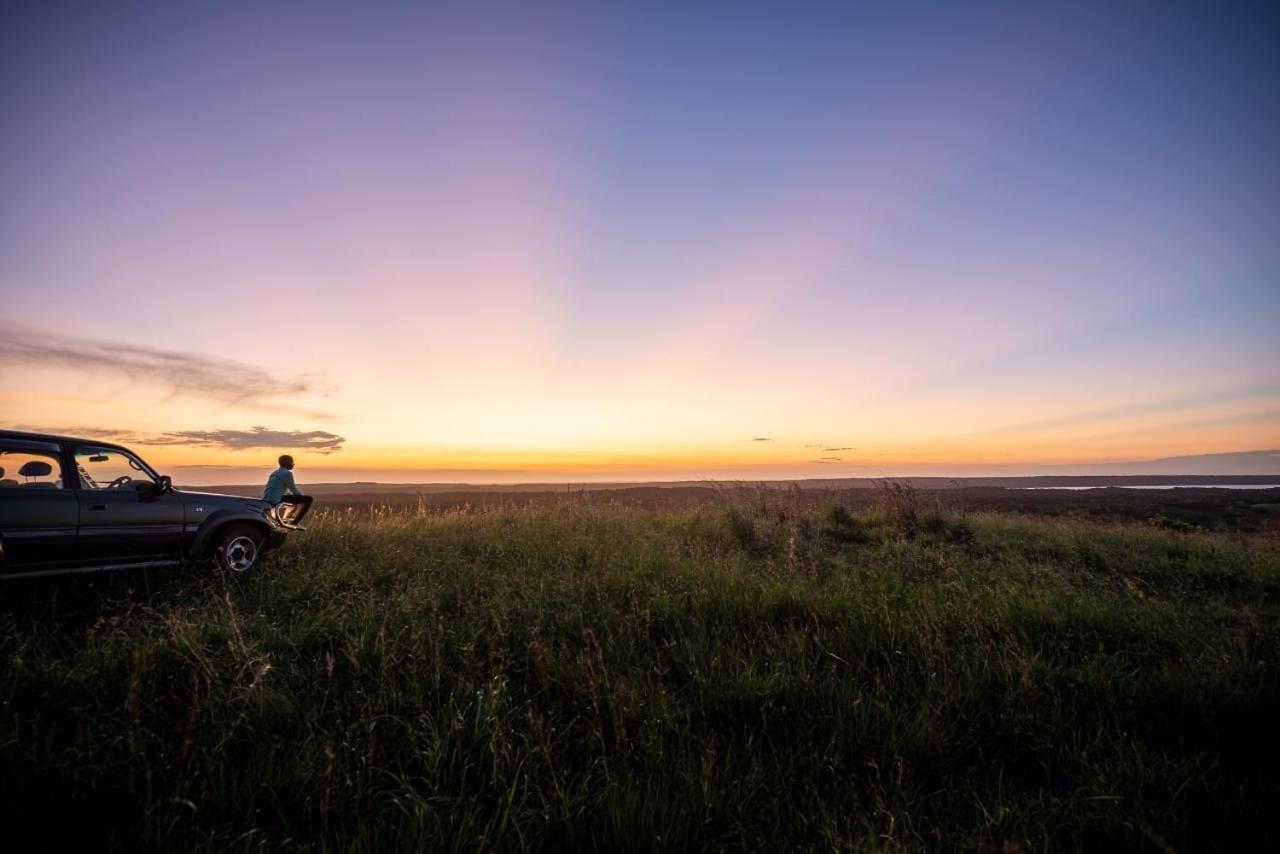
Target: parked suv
<point>79,505</point>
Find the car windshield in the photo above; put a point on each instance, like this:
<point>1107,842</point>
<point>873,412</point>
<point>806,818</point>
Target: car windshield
<point>109,468</point>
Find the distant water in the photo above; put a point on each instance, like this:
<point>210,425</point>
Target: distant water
<point>1175,486</point>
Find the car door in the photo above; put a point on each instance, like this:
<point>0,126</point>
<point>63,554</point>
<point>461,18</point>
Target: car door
<point>38,511</point>
<point>123,519</point>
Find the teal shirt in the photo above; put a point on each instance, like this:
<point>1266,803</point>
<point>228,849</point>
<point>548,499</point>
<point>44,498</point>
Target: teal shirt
<point>279,485</point>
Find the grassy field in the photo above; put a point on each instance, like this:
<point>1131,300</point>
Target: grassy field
<point>764,673</point>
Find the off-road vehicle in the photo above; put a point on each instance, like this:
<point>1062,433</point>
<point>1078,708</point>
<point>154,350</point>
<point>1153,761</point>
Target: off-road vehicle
<point>72,505</point>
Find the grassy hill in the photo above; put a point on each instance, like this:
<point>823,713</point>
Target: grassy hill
<point>765,673</point>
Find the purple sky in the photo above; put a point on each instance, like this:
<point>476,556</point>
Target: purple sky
<point>631,240</point>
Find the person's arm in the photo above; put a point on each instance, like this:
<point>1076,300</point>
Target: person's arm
<point>289,484</point>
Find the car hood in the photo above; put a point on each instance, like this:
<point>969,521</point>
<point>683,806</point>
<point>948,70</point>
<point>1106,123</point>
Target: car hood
<point>219,499</point>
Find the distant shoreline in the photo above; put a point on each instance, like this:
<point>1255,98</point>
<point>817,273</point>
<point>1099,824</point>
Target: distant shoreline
<point>1030,482</point>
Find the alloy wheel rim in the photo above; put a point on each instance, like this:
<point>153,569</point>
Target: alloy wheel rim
<point>241,554</point>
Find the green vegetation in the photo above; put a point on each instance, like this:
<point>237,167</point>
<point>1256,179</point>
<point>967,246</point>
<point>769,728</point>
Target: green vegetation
<point>763,675</point>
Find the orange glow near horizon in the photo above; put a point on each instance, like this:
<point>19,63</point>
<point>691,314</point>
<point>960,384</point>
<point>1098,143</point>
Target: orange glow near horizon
<point>734,459</point>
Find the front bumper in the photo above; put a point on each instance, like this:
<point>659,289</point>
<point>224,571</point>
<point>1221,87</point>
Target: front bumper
<point>276,537</point>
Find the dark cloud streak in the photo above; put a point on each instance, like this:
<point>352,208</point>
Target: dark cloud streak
<point>317,441</point>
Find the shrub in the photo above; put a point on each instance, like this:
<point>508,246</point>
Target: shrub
<point>743,527</point>
<point>1171,524</point>
<point>841,526</point>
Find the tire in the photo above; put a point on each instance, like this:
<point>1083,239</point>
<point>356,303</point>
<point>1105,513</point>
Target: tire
<point>238,549</point>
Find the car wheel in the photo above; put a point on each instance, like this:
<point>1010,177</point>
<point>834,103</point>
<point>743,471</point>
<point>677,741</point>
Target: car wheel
<point>238,549</point>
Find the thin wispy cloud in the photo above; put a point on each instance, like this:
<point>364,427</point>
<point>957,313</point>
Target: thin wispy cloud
<point>178,373</point>
<point>106,434</point>
<point>1165,406</point>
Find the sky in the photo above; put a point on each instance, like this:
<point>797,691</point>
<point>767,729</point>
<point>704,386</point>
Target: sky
<point>492,243</point>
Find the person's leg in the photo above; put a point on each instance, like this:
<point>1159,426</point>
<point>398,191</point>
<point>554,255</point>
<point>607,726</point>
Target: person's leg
<point>298,505</point>
<point>304,506</point>
<point>288,508</point>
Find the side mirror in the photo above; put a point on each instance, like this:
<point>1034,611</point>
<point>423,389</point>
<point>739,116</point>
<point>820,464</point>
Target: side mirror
<point>148,491</point>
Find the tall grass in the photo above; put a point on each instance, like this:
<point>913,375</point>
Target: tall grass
<point>765,675</point>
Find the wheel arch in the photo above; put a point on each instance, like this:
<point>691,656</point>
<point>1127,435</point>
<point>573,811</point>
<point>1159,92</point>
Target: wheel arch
<point>202,544</point>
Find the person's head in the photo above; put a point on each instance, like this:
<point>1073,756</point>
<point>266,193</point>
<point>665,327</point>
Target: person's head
<point>286,461</point>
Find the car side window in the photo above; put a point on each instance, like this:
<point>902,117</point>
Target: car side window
<point>21,469</point>
<point>109,468</point>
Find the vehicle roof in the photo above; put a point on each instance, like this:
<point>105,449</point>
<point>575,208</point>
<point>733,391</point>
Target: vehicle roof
<point>53,437</point>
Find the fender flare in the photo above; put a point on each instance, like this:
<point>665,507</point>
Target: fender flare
<point>218,520</point>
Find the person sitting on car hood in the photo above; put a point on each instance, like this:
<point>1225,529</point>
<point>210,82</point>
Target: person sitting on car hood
<point>281,490</point>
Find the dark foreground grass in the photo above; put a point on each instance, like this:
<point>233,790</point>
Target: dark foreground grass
<point>759,678</point>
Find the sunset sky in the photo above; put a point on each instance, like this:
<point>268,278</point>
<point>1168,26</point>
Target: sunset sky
<point>662,241</point>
